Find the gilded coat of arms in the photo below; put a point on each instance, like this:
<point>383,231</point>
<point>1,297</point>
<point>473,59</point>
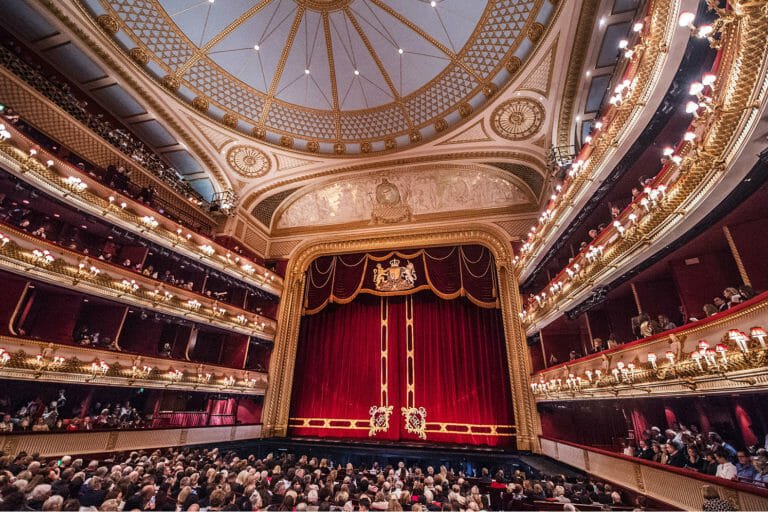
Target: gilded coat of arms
<point>395,277</point>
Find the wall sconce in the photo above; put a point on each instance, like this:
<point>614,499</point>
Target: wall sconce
<point>4,240</point>
<point>141,372</point>
<point>759,334</point>
<point>42,257</point>
<point>149,222</point>
<point>740,339</point>
<point>75,183</point>
<point>131,285</point>
<point>229,382</point>
<point>44,363</point>
<point>203,378</point>
<point>175,376</point>
<point>4,357</point>
<point>98,369</point>
<point>194,305</point>
<point>207,250</point>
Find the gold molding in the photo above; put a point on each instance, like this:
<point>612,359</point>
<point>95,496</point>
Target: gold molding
<point>736,256</point>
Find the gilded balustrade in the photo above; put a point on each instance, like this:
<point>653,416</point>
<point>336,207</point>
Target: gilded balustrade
<point>30,256</point>
<point>22,358</point>
<point>726,109</point>
<point>26,160</point>
<point>723,354</point>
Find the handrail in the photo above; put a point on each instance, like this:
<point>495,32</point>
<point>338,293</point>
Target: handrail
<point>675,486</point>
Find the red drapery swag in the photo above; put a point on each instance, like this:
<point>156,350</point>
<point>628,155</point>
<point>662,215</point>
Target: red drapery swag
<point>449,272</point>
<point>404,352</point>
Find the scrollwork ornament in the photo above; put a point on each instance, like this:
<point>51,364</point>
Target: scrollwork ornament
<point>109,23</point>
<point>379,421</point>
<point>415,421</point>
<point>139,56</point>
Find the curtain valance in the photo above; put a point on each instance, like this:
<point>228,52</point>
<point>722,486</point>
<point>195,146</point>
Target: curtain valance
<point>449,272</point>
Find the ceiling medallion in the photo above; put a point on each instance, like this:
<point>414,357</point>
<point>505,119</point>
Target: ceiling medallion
<point>324,5</point>
<point>518,119</point>
<point>248,161</point>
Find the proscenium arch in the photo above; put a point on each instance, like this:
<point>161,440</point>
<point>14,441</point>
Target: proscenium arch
<point>282,364</point>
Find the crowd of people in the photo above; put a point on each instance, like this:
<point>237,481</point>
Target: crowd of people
<point>704,452</point>
<point>58,91</point>
<point>645,325</point>
<point>93,247</point>
<point>202,479</point>
<point>39,415</point>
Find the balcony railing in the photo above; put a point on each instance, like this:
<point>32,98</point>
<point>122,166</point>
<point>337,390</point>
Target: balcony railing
<point>31,256</point>
<point>63,180</point>
<point>725,107</point>
<point>22,358</point>
<point>108,441</point>
<point>677,487</point>
<point>725,352</point>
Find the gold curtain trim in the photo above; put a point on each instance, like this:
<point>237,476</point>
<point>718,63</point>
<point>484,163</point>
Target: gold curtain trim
<point>434,427</point>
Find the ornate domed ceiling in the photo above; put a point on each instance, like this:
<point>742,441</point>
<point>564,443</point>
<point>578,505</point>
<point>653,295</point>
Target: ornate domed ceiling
<point>330,76</point>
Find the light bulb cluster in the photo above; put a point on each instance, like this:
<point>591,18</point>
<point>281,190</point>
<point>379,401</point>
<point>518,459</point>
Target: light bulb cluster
<point>43,257</point>
<point>4,357</point>
<point>4,240</point>
<point>130,285</point>
<point>75,183</point>
<point>149,221</point>
<point>4,133</point>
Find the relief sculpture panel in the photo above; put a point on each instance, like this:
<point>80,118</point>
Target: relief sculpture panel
<point>399,197</point>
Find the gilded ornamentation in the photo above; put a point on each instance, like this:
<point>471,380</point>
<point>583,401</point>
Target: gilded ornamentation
<point>390,144</point>
<point>109,23</point>
<point>200,103</point>
<point>313,146</point>
<point>324,5</point>
<point>389,205</point>
<point>490,89</point>
<point>379,421</point>
<point>400,195</point>
<point>415,136</point>
<point>258,132</point>
<point>415,421</point>
<point>535,32</point>
<point>248,161</point>
<point>465,109</point>
<point>499,28</point>
<point>394,278</point>
<point>286,141</point>
<point>440,125</point>
<point>365,147</point>
<point>518,119</point>
<point>339,148</point>
<point>139,56</point>
<point>230,119</point>
<point>513,64</point>
<point>171,82</point>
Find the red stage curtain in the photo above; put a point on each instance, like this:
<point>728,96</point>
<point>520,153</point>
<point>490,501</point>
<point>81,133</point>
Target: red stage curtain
<point>336,374</point>
<point>460,369</point>
<point>459,360</point>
